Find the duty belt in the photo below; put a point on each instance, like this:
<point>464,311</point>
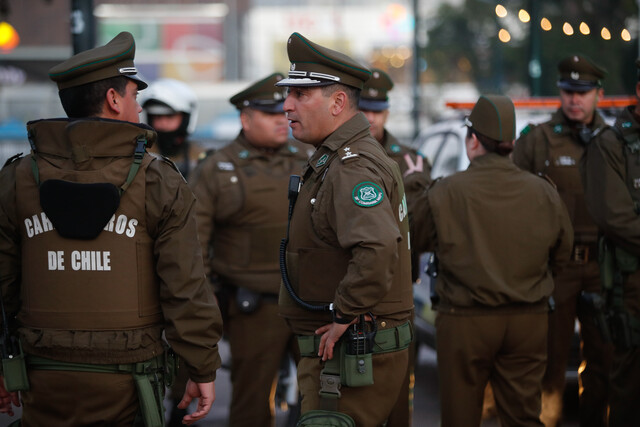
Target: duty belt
<point>583,252</point>
<point>386,341</point>
<point>142,373</point>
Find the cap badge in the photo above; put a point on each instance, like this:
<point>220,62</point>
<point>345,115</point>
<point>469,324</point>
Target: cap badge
<point>576,59</point>
<point>322,160</point>
<point>575,75</point>
<point>636,183</point>
<point>373,92</point>
<point>277,95</point>
<point>376,75</point>
<point>367,194</point>
<point>293,67</point>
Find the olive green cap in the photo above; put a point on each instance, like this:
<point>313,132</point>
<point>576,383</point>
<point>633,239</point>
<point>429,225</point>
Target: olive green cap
<point>493,116</point>
<point>263,95</point>
<point>374,95</point>
<point>315,65</point>
<point>579,74</point>
<point>103,62</point>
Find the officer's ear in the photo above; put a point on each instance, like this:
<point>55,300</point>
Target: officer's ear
<point>340,101</point>
<point>113,101</point>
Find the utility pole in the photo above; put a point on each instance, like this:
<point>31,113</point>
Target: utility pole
<point>415,113</point>
<point>83,26</point>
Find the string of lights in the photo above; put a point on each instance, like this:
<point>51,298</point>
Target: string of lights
<point>567,28</point>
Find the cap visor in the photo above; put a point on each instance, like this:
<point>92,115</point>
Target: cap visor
<point>269,108</point>
<point>577,85</point>
<point>304,82</point>
<point>373,105</point>
<point>141,83</point>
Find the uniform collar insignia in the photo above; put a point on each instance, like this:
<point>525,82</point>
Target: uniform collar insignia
<point>626,125</point>
<point>322,160</point>
<point>557,128</point>
<point>243,154</point>
<point>395,148</point>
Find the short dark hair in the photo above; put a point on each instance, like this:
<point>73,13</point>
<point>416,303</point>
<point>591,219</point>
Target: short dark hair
<point>86,100</point>
<point>352,93</point>
<point>502,148</point>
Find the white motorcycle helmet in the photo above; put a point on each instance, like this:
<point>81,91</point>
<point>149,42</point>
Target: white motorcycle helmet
<point>170,96</point>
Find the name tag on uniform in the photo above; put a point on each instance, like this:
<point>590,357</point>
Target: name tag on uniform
<point>565,161</point>
<point>225,166</point>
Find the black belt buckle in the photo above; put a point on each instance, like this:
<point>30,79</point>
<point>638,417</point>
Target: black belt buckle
<point>580,254</point>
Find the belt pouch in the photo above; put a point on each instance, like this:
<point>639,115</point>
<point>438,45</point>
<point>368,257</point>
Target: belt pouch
<point>14,369</point>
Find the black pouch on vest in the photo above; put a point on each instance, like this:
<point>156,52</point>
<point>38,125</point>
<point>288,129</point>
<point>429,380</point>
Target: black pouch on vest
<point>77,210</point>
<point>247,300</point>
<point>320,418</point>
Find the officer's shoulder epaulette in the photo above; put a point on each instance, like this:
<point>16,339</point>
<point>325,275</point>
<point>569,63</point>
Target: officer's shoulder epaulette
<point>205,154</point>
<point>166,160</point>
<point>12,159</point>
<point>528,128</point>
<point>548,179</point>
<point>348,154</point>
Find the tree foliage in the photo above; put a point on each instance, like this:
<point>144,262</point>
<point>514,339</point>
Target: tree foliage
<point>463,45</point>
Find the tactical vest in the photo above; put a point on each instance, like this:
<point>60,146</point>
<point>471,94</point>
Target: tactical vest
<point>559,159</point>
<point>108,283</point>
<point>631,150</point>
<point>251,216</point>
<point>320,266</point>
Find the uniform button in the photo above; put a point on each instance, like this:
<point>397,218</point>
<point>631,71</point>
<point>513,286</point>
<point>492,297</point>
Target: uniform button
<point>383,323</point>
<point>234,179</point>
<point>313,201</point>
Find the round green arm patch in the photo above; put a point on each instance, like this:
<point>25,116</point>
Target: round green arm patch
<point>367,194</point>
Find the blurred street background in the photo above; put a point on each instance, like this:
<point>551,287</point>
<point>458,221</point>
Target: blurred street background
<point>436,51</point>
<point>441,55</point>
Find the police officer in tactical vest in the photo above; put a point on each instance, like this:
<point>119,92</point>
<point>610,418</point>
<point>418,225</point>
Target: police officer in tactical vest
<point>554,149</point>
<point>416,174</point>
<point>611,175</point>
<point>242,216</point>
<point>497,232</point>
<point>347,291</point>
<point>100,256</point>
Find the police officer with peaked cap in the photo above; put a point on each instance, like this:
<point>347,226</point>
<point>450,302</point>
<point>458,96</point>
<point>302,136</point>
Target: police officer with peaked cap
<point>496,231</point>
<point>347,254</point>
<point>242,216</point>
<point>100,256</point>
<point>554,148</point>
<point>611,175</point>
<point>416,173</point>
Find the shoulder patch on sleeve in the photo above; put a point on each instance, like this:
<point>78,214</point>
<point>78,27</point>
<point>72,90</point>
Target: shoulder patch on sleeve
<point>367,194</point>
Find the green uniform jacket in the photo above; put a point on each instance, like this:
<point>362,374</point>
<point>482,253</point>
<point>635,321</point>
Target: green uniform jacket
<point>495,229</point>
<point>242,211</point>
<point>349,233</point>
<point>609,183</point>
<point>192,321</point>
<point>554,148</point>
<point>415,168</point>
